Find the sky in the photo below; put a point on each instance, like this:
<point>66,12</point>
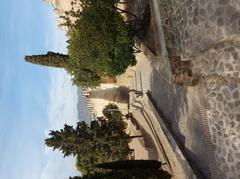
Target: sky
<point>33,99</point>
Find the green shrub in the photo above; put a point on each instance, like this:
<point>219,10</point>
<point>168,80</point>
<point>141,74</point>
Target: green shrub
<point>101,41</point>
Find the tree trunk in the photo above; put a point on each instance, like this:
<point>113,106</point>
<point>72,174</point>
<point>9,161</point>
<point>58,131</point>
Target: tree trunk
<point>127,12</point>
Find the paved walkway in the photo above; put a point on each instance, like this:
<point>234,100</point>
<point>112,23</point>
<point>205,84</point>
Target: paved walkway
<point>205,32</point>
<point>198,24</point>
<point>223,113</point>
<point>154,127</point>
<point>179,106</point>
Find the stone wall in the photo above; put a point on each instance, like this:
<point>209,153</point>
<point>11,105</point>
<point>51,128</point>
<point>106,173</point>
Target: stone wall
<point>219,65</point>
<point>209,36</point>
<point>201,23</point>
<point>223,111</point>
<point>221,59</point>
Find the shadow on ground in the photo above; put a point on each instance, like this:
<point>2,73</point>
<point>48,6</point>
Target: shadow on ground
<point>178,106</point>
<point>144,27</point>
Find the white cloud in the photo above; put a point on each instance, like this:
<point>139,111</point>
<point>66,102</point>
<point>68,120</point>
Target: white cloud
<point>62,109</point>
<point>58,167</point>
<point>59,36</point>
<point>63,100</point>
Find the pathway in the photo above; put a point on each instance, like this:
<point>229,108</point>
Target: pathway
<point>179,106</point>
<point>206,33</point>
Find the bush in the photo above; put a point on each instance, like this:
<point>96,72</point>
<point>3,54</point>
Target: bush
<point>111,111</point>
<point>130,164</point>
<point>135,173</point>
<point>83,77</point>
<point>101,42</point>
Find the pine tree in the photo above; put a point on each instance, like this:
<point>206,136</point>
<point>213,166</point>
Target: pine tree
<point>134,173</point>
<point>50,59</point>
<point>64,140</point>
<point>103,141</point>
<point>131,164</point>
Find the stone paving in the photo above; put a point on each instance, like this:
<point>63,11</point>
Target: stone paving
<point>206,33</point>
<point>166,146</point>
<point>223,112</point>
<point>178,105</point>
<point>201,23</point>
<point>219,65</point>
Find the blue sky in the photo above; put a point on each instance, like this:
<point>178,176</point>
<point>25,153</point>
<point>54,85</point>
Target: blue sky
<point>33,99</point>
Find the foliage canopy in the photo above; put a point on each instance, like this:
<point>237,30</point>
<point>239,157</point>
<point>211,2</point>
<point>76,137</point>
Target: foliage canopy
<point>103,141</point>
<point>50,59</point>
<point>100,40</point>
<point>130,169</point>
<point>100,43</point>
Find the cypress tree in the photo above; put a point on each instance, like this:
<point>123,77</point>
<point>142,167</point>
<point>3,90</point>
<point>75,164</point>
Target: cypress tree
<point>130,164</point>
<point>50,59</point>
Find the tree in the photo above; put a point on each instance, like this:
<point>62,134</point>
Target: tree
<point>83,77</point>
<point>103,141</point>
<point>111,111</point>
<point>135,173</point>
<point>51,59</point>
<point>80,76</point>
<point>109,143</point>
<point>76,12</point>
<point>130,164</point>
<point>64,140</point>
<point>115,117</point>
<point>130,169</point>
<point>101,41</point>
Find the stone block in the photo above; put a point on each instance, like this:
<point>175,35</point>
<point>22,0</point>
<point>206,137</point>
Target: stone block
<point>236,94</point>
